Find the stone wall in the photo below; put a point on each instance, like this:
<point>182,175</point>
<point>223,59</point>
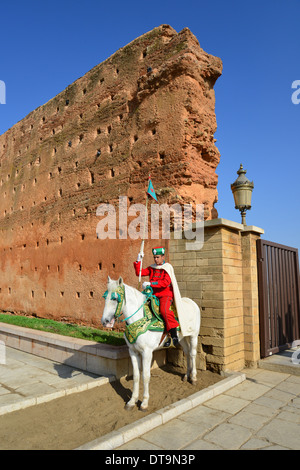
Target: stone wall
<point>149,108</point>
<point>221,278</point>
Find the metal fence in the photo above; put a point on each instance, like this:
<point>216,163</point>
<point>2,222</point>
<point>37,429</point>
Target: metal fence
<point>278,284</point>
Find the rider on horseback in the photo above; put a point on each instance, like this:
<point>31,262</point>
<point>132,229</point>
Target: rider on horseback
<point>161,284</point>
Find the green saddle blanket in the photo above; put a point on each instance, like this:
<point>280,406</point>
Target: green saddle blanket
<point>152,320</point>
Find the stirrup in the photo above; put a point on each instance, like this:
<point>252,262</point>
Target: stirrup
<point>168,342</point>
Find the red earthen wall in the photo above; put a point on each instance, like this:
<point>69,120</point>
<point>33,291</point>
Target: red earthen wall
<point>97,140</point>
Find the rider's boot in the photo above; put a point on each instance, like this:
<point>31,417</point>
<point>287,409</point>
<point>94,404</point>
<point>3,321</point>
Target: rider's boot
<point>173,332</point>
<point>173,338</point>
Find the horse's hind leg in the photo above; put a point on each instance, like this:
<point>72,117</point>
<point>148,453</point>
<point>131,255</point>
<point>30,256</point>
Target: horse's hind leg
<point>193,357</point>
<point>136,365</point>
<point>189,346</point>
<point>185,343</point>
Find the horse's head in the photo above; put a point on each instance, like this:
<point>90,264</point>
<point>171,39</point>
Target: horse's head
<point>114,297</point>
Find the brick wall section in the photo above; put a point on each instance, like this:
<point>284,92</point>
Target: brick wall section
<point>222,279</point>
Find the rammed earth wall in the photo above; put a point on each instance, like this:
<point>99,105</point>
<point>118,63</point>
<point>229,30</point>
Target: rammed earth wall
<point>150,107</point>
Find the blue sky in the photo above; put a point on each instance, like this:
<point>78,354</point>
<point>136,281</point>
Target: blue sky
<point>46,45</point>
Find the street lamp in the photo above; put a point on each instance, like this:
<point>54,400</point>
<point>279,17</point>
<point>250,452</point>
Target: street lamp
<point>242,192</point>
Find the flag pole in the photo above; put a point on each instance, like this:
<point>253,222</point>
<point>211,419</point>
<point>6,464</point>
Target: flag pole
<point>143,240</point>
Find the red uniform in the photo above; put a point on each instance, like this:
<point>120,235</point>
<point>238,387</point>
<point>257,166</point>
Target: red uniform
<point>161,284</point>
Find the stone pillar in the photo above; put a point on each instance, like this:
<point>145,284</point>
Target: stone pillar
<point>221,278</point>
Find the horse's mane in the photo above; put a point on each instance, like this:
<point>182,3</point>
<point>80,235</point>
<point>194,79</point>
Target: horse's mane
<point>114,284</point>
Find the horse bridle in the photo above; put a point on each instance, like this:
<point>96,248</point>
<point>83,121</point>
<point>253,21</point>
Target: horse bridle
<point>119,296</point>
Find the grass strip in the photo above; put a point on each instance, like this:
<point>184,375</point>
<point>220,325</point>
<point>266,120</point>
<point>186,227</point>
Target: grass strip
<point>65,329</point>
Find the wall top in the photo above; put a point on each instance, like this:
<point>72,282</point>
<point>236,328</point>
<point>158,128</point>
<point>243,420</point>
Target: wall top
<point>220,222</point>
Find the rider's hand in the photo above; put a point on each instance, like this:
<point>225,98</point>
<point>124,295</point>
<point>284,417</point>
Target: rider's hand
<point>140,257</point>
<point>146,284</point>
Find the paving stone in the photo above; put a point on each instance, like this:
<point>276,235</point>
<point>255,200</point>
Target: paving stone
<point>35,389</point>
<point>227,403</point>
<point>200,444</point>
<point>3,391</point>
<point>276,394</point>
<point>289,416</point>
<point>255,444</point>
<point>269,378</point>
<point>249,420</point>
<point>173,435</point>
<point>207,417</point>
<point>289,387</point>
<point>261,410</point>
<point>229,436</point>
<point>248,390</point>
<point>139,444</point>
<point>283,433</point>
<point>269,402</point>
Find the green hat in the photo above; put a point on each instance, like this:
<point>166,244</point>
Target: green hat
<point>158,250</point>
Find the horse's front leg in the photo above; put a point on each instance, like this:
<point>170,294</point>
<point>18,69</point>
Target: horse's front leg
<point>147,359</point>
<point>136,365</point>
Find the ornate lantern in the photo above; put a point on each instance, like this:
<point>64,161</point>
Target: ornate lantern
<point>242,192</point>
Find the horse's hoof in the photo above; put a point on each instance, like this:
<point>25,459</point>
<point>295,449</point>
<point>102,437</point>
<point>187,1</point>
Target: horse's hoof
<point>193,381</point>
<point>184,378</point>
<point>144,408</point>
<point>129,407</point>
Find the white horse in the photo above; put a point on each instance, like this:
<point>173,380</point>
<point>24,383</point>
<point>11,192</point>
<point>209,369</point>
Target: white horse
<point>123,299</point>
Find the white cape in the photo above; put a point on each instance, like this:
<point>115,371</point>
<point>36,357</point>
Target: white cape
<point>187,309</point>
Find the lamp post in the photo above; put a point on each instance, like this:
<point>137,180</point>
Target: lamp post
<point>242,192</point>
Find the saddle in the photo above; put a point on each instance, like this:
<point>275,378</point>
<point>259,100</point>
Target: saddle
<point>152,320</point>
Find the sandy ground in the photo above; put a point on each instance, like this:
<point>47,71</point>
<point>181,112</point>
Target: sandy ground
<point>68,422</point>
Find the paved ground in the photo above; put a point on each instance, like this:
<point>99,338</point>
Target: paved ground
<point>262,412</point>
<point>26,380</point>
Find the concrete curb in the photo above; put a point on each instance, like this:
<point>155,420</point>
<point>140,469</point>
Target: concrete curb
<point>25,403</point>
<point>138,428</point>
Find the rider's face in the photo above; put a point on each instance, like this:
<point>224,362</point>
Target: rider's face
<point>159,259</point>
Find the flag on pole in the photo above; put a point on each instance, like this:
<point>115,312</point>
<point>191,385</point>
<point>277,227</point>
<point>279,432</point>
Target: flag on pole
<point>150,190</point>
